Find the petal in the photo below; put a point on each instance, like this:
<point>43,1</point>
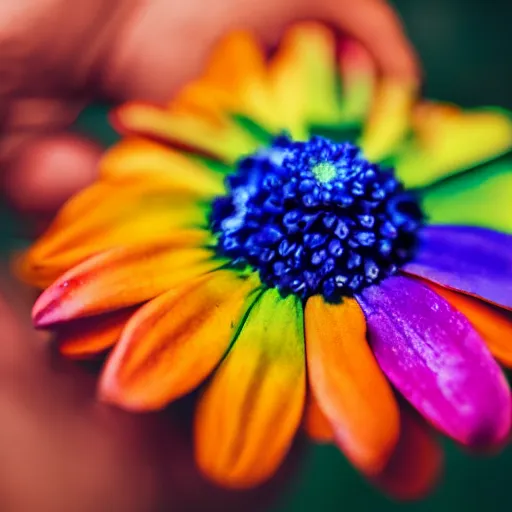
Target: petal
<point>478,198</point>
<point>433,356</point>
<point>471,260</point>
<point>235,80</point>
<point>492,323</point>
<point>249,414</point>
<point>221,138</point>
<point>416,464</point>
<point>317,426</point>
<point>357,81</point>
<point>389,118</point>
<point>289,94</point>
<point>448,140</point>
<point>86,337</point>
<point>175,341</point>
<point>104,216</point>
<point>348,384</point>
<point>304,78</point>
<point>119,278</point>
<point>142,160</point>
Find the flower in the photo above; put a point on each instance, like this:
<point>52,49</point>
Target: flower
<point>321,245</point>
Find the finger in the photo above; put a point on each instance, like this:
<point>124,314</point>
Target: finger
<point>32,114</point>
<point>377,26</point>
<point>48,170</point>
<point>164,44</point>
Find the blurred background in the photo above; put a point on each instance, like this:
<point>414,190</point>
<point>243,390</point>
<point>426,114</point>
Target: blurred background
<point>465,49</point>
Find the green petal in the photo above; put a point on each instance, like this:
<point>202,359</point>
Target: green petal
<point>250,412</point>
<point>481,197</point>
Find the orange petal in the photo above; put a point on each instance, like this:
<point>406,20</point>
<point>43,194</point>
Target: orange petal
<point>235,63</point>
<point>492,323</point>
<point>416,463</point>
<point>348,384</point>
<point>143,160</point>
<point>119,278</point>
<point>389,119</point>
<point>250,412</point>
<point>223,139</point>
<point>316,423</point>
<point>104,216</point>
<point>84,338</point>
<point>175,341</point>
<point>235,81</point>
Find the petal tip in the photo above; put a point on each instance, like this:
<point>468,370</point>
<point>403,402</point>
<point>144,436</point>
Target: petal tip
<point>112,392</point>
<point>48,309</point>
<point>43,312</point>
<point>493,430</point>
<point>108,390</point>
<point>373,461</point>
<point>233,480</point>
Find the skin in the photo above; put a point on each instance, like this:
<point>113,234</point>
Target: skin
<point>60,449</point>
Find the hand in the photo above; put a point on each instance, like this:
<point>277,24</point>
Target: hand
<point>57,55</point>
<point>60,449</point>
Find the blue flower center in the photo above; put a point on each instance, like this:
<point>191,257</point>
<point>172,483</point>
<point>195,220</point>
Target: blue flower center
<point>315,217</point>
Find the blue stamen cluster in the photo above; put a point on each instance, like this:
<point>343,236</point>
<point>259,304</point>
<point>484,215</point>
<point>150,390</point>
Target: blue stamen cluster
<point>315,217</point>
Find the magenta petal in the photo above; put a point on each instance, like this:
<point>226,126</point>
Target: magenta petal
<point>473,260</point>
<point>433,356</point>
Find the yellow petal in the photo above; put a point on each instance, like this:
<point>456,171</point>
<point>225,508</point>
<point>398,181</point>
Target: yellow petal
<point>104,216</point>
<point>188,130</point>
<point>304,79</point>
<point>448,140</point>
<point>389,119</point>
<point>289,95</point>
<point>145,160</point>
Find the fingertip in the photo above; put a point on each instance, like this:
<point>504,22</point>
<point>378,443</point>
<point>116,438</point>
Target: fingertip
<point>49,170</point>
<point>378,27</point>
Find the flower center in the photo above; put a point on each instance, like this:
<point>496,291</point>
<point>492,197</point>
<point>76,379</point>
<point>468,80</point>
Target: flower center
<point>315,217</point>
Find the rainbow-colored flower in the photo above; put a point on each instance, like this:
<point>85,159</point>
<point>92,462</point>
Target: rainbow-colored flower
<point>314,241</point>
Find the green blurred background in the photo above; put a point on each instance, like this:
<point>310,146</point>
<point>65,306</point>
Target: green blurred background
<point>464,47</point>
